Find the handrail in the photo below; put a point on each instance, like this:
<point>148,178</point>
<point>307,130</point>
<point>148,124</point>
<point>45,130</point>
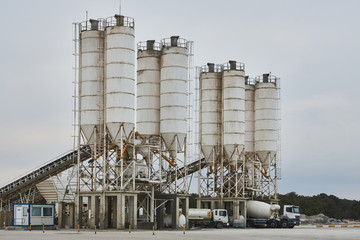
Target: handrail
<point>180,42</point>
<point>143,46</point>
<point>232,65</point>
<point>267,78</point>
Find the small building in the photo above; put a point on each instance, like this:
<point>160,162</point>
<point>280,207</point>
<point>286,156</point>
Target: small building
<point>36,214</point>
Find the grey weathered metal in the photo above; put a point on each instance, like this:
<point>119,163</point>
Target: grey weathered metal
<point>91,83</point>
<point>120,77</point>
<point>249,115</point>
<point>148,88</point>
<point>211,106</point>
<point>233,108</point>
<point>173,93</point>
<point>266,118</point>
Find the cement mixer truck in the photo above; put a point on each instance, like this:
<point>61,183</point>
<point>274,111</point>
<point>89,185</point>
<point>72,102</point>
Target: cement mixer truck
<point>263,214</point>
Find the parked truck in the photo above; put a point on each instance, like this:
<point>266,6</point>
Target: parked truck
<point>208,218</point>
<point>264,214</point>
<point>197,217</point>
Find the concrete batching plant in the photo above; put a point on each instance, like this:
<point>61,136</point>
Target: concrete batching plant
<point>135,152</point>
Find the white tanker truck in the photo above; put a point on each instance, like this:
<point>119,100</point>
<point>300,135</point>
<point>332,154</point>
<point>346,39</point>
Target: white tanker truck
<point>208,218</point>
<point>218,218</point>
<point>263,214</point>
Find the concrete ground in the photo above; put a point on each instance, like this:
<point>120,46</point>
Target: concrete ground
<point>203,234</point>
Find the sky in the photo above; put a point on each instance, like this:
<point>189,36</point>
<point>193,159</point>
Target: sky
<point>313,46</point>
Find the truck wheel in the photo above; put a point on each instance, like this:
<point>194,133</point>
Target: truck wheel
<point>292,226</point>
<point>272,224</point>
<point>219,225</point>
<point>284,224</point>
<point>250,224</point>
<point>191,224</point>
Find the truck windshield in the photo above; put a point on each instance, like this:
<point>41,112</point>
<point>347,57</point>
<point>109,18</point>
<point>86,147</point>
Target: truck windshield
<point>296,210</point>
<point>222,213</point>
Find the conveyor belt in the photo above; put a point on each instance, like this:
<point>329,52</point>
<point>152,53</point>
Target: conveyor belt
<point>191,168</point>
<point>55,167</point>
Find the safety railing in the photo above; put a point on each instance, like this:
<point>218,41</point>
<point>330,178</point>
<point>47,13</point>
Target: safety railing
<point>266,78</point>
<point>249,81</point>
<point>101,23</point>
<point>92,24</point>
<point>149,45</point>
<point>233,65</point>
<point>174,41</point>
<point>211,67</point>
<point>119,20</point>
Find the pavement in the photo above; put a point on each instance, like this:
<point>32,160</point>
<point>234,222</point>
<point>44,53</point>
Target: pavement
<point>197,234</point>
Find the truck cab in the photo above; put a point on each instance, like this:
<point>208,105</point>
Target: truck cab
<point>220,217</point>
<point>292,214</point>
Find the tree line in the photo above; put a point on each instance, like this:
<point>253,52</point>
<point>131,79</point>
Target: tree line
<point>329,205</point>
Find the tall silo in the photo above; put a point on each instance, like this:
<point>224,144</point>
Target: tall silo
<point>120,77</point>
<point>233,90</point>
<point>249,120</point>
<point>210,110</point>
<point>148,88</point>
<point>173,93</point>
<point>91,82</point>
<point>266,119</point>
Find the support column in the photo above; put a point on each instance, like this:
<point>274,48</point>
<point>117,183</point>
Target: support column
<point>152,200</point>
<point>97,211</point>
<point>61,215</point>
<point>185,210</point>
<point>92,210</point>
<point>174,206</point>
<point>78,210</point>
<point>212,205</point>
<point>132,201</point>
<point>160,212</point>
<point>120,213</point>
<point>71,215</point>
<point>236,214</point>
<point>198,203</point>
<point>101,204</point>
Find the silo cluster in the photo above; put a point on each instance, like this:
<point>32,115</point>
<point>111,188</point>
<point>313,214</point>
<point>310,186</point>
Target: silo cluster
<point>107,81</point>
<point>238,115</point>
<point>162,91</point>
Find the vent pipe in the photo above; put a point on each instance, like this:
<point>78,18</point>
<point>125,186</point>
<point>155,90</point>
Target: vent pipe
<point>266,77</point>
<point>94,24</point>
<point>232,65</point>
<point>119,20</point>
<point>211,67</point>
<point>174,41</point>
<point>150,44</point>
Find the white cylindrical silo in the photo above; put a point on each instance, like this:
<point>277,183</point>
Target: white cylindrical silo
<point>266,118</point>
<point>148,89</point>
<point>210,104</point>
<point>173,93</point>
<point>120,77</point>
<point>91,83</point>
<point>233,90</point>
<point>249,115</point>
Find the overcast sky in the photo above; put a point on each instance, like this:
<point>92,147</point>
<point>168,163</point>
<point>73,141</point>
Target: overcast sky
<point>313,46</point>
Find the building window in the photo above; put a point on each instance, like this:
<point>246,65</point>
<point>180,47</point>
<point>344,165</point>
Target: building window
<point>47,211</point>
<point>25,211</point>
<point>36,212</point>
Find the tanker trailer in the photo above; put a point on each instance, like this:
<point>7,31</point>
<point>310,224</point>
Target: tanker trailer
<point>208,218</point>
<point>201,218</point>
<point>264,214</point>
